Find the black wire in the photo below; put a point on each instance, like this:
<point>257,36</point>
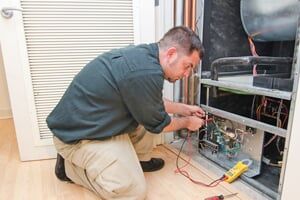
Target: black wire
<point>252,107</point>
<point>178,155</point>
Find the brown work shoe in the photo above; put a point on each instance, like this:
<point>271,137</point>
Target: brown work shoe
<point>60,169</point>
<point>152,165</point>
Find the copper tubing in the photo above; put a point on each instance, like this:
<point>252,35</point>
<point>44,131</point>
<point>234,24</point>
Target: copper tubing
<point>190,14</point>
<point>174,12</point>
<point>193,15</point>
<point>189,21</point>
<point>187,8</point>
<point>192,77</point>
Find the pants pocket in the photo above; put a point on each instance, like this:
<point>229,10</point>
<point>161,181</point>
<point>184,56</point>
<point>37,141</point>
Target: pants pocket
<point>113,177</point>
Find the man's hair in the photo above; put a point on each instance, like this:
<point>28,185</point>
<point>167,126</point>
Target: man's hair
<point>183,38</point>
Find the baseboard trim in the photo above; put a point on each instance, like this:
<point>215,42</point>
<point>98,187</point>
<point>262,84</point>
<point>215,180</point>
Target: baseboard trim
<point>5,113</point>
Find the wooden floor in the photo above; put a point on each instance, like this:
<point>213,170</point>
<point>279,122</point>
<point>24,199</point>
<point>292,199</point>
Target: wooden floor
<point>35,180</point>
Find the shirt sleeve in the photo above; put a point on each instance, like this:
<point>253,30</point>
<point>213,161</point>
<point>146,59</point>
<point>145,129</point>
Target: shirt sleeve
<point>142,95</point>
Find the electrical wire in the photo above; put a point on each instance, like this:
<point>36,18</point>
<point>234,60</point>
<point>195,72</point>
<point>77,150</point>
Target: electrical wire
<point>280,122</point>
<point>254,53</point>
<point>188,162</point>
<point>252,106</point>
<point>187,175</point>
<point>277,145</point>
<point>270,141</point>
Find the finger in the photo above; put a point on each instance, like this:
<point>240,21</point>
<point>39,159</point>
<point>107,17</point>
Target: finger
<point>200,113</point>
<point>197,114</point>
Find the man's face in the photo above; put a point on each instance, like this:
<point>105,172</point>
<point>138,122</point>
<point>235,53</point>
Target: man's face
<point>181,66</point>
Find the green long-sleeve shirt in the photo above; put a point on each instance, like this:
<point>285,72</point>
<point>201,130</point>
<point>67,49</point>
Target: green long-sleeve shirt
<point>111,95</point>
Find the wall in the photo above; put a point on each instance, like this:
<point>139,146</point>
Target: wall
<point>5,109</point>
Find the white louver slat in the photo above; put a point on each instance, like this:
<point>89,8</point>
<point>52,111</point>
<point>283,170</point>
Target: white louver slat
<point>62,36</point>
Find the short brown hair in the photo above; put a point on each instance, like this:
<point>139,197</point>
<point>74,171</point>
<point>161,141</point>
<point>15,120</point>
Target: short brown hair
<point>183,38</point>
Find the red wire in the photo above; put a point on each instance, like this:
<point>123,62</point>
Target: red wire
<point>187,175</point>
<point>177,170</point>
<point>190,148</point>
<point>212,184</point>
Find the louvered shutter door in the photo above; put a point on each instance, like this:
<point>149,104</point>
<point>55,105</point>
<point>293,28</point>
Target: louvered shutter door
<point>62,36</point>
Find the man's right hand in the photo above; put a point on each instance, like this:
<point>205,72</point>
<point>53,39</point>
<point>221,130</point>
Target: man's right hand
<point>194,123</point>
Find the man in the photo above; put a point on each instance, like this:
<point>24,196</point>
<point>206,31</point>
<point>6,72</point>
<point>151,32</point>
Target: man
<point>105,122</point>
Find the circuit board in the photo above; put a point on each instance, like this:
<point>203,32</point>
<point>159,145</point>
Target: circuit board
<point>226,142</point>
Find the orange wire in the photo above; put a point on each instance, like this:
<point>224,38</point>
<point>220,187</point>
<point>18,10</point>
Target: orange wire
<point>254,53</point>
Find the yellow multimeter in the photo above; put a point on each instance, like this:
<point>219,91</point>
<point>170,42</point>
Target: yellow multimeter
<point>237,170</point>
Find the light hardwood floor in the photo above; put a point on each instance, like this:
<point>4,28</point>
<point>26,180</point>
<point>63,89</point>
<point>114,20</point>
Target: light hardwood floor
<point>35,180</point>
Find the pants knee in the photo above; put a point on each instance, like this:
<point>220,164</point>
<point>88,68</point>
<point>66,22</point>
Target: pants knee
<point>140,192</point>
<point>117,181</point>
<point>135,189</point>
<point>131,188</point>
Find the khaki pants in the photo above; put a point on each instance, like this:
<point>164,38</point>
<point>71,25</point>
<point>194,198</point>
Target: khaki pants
<point>110,167</point>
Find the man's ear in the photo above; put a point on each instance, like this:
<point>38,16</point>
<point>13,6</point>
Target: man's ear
<point>172,54</point>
